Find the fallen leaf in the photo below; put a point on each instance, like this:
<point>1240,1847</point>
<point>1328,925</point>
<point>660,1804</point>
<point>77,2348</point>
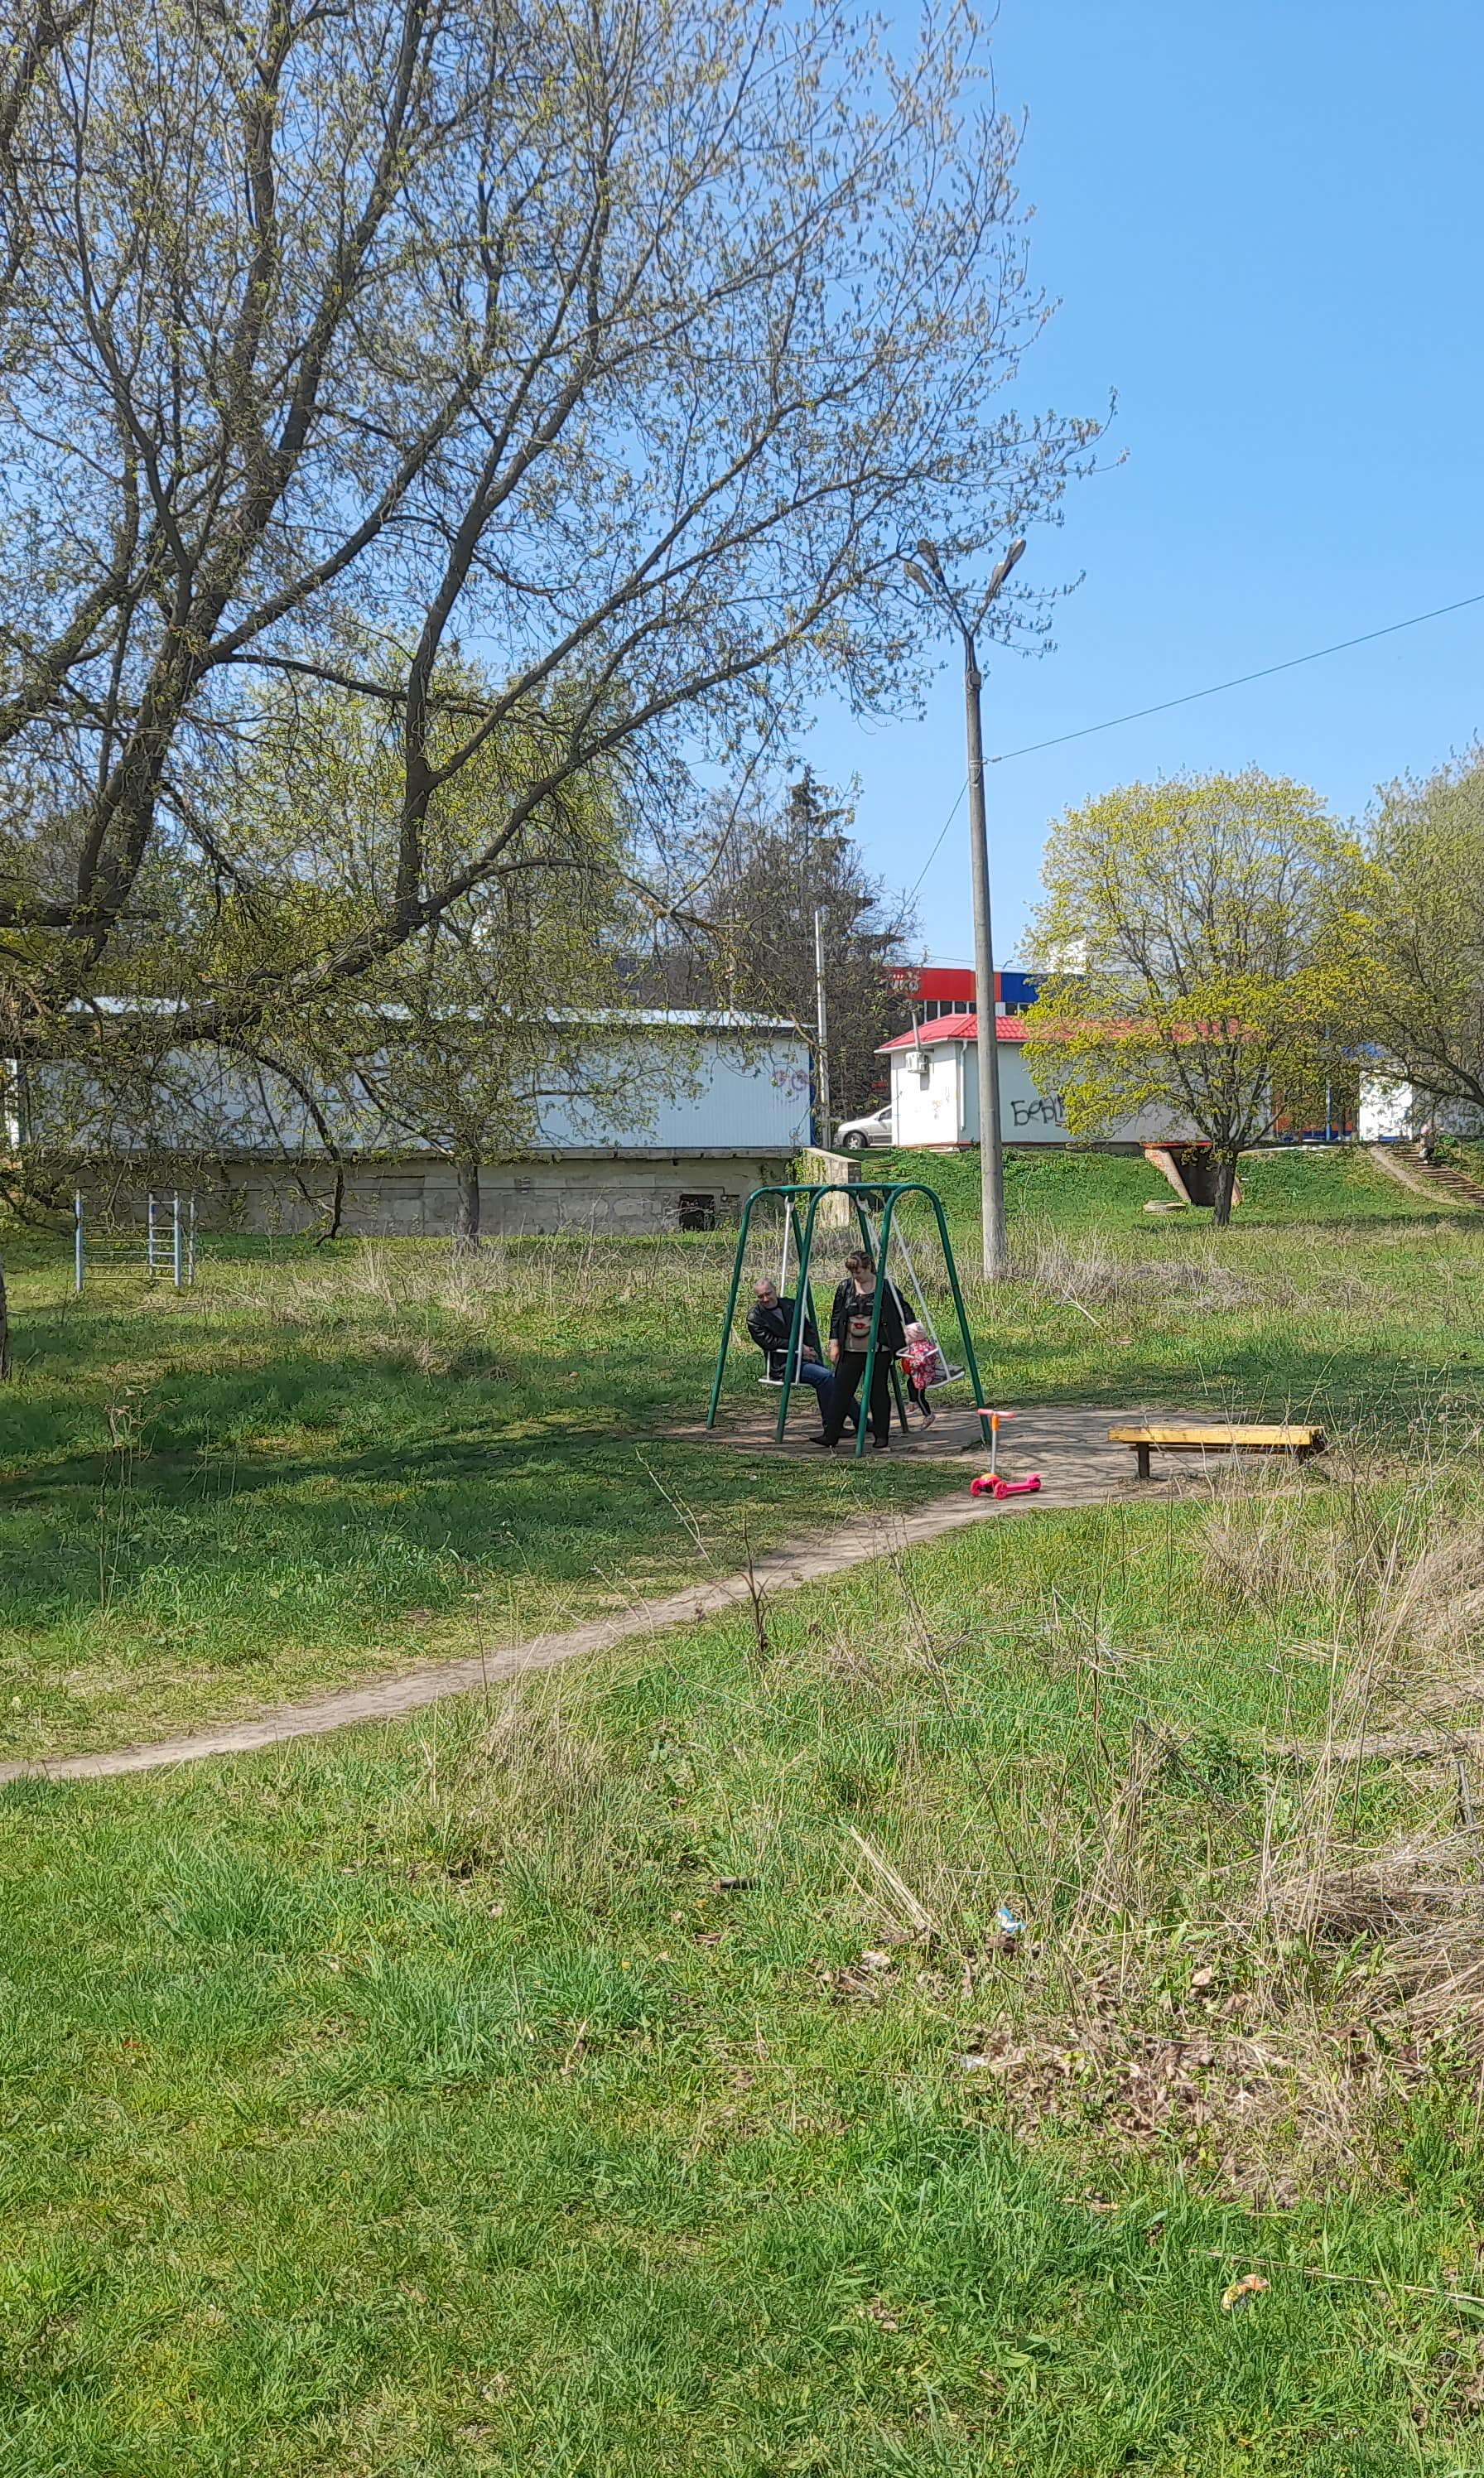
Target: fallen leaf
<point>1251,2286</point>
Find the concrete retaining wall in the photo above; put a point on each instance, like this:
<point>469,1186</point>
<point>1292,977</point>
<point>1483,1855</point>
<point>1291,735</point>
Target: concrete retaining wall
<point>416,1198</point>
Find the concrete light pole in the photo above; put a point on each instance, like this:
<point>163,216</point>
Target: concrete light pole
<point>822,1054</point>
<point>991,1163</point>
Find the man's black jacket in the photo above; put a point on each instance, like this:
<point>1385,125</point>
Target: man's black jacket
<point>771,1328</point>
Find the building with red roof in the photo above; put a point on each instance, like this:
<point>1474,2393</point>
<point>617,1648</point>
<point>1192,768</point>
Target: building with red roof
<point>935,1091</point>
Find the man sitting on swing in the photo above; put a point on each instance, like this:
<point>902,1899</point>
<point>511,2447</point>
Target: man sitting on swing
<point>769,1324</point>
<point>851,1324</point>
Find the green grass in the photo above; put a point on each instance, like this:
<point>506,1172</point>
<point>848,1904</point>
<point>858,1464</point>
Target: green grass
<point>314,1467</point>
<point>572,2083</point>
<point>549,2089</point>
<point>1466,1155</point>
<point>317,1466</point>
<point>1092,1191</point>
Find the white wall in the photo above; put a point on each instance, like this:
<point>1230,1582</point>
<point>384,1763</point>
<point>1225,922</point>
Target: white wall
<point>716,1089</point>
<point>926,1105</point>
<point>696,1091</point>
<point>944,1108</point>
<point>1390,1109</point>
<point>1385,1110</point>
<point>1027,1116</point>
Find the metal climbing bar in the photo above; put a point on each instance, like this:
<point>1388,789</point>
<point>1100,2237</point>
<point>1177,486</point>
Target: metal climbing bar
<point>158,1246</point>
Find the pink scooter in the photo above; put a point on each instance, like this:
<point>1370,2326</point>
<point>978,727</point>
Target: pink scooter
<point>991,1483</point>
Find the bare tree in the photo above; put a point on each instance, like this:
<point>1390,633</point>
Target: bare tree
<point>773,870</point>
<point>468,1040</point>
<point>630,344</point>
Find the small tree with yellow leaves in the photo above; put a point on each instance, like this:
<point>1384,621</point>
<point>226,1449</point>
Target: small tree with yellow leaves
<point>1201,917</point>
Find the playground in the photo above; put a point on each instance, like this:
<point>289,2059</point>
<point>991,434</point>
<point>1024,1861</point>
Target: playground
<point>310,1470</point>
<point>784,1952</point>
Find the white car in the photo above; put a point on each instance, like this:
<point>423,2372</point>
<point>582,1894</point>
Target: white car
<point>853,1135</point>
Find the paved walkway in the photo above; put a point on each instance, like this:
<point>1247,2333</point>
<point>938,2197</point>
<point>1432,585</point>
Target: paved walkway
<point>1068,1443</point>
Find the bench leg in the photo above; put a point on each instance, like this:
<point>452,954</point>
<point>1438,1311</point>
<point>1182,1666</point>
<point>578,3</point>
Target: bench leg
<point>1142,1458</point>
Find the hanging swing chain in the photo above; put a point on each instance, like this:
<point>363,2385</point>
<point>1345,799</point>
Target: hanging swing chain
<point>916,1287</point>
<point>805,1237</point>
<point>783,1283</point>
<point>878,1258</point>
<point>924,1313</point>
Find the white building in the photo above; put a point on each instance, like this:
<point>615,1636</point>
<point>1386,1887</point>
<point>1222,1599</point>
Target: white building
<point>934,1092</point>
<point>696,1109</point>
<point>1392,1112</point>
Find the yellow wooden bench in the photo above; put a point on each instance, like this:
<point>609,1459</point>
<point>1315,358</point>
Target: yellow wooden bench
<point>1232,1438</point>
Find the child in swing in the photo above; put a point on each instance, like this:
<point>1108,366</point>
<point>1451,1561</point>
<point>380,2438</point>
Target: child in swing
<point>922,1362</point>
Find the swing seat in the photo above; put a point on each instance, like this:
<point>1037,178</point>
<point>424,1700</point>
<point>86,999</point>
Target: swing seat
<point>949,1377</point>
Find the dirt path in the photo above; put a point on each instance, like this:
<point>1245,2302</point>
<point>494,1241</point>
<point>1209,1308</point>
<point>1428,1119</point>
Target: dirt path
<point>809,1562</point>
<point>1432,1179</point>
<point>1089,1478</point>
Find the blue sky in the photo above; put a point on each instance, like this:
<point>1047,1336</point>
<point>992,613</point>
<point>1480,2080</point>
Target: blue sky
<point>1265,228</point>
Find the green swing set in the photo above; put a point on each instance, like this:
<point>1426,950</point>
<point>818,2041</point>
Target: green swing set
<point>801,1204</point>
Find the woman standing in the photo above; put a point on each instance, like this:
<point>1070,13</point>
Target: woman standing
<point>855,1303</point>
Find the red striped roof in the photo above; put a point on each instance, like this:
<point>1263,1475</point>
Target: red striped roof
<point>1014,1027</point>
<point>955,1028</point>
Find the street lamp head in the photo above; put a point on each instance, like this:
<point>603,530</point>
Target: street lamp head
<point>1014,553</point>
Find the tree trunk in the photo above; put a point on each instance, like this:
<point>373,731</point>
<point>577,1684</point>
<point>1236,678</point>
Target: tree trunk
<point>332,1228</point>
<point>1225,1184</point>
<point>465,1237</point>
<point>5,1332</point>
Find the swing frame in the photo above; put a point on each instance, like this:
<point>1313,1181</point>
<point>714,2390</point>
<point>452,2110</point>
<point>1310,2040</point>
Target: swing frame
<point>885,1195</point>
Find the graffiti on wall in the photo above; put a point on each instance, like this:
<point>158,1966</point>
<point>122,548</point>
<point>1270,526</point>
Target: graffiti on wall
<point>1046,1111</point>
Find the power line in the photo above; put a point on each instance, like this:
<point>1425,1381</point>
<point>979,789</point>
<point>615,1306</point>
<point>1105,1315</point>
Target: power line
<point>938,845</point>
<point>1192,695</point>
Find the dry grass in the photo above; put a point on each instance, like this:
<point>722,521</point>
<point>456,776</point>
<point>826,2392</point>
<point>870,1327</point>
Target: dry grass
<point>572,1276</point>
<point>1441,1611</point>
<point>530,1801</point>
<point>1379,1853</point>
<point>1254,1555</point>
<point>1245,1963</point>
<point>1086,1273</point>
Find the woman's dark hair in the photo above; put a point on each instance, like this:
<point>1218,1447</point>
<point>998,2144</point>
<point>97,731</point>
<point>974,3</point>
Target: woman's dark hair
<point>858,1262</point>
